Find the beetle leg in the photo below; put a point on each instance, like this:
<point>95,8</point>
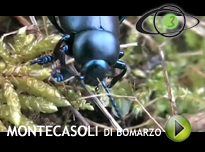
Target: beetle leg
<point>120,65</point>
<point>57,76</point>
<point>63,50</point>
<point>113,103</point>
<point>62,54</point>
<point>43,60</point>
<point>55,23</point>
<point>62,74</point>
<point>121,18</point>
<point>121,54</point>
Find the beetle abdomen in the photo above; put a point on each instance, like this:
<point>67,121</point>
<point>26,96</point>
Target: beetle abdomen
<point>81,23</point>
<point>95,44</point>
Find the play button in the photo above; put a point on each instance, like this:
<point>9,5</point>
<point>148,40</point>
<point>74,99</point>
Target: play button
<point>178,128</point>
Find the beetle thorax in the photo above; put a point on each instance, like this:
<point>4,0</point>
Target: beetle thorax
<point>95,44</point>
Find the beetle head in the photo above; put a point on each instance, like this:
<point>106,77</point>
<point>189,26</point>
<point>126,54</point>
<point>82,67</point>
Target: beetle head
<point>94,70</point>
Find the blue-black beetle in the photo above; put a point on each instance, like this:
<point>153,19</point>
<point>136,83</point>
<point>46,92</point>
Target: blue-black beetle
<point>93,41</point>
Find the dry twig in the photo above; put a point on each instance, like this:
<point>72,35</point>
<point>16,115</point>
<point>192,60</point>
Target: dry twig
<point>79,116</point>
<point>45,24</point>
<point>130,98</point>
<point>99,125</point>
<point>33,20</point>
<point>166,78</point>
<point>123,46</point>
<point>22,20</point>
<point>131,26</point>
<point>103,109</point>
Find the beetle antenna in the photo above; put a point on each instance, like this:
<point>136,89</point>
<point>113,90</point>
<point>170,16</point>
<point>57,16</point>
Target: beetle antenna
<point>54,22</point>
<point>113,103</point>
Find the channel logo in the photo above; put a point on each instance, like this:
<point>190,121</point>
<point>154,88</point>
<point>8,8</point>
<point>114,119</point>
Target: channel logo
<point>170,21</point>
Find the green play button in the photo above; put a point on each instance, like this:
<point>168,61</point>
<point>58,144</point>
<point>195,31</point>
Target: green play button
<point>178,128</point>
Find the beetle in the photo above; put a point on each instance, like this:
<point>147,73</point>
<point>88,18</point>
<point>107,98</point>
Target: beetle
<point>93,41</point>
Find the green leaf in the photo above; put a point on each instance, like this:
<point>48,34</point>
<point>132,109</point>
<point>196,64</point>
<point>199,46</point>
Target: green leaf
<point>123,105</point>
<point>124,89</point>
<point>139,73</point>
<point>2,127</point>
